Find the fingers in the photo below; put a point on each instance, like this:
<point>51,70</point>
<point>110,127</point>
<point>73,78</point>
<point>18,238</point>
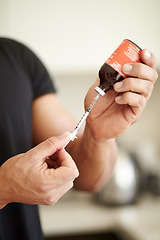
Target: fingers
<point>135,85</point>
<point>145,70</point>
<point>58,181</point>
<point>49,147</point>
<point>136,89</point>
<point>135,101</point>
<point>141,71</point>
<point>141,77</point>
<point>53,169</point>
<point>67,169</point>
<point>132,99</point>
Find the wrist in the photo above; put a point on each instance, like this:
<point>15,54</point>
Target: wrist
<point>97,158</point>
<point>100,146</point>
<point>96,137</point>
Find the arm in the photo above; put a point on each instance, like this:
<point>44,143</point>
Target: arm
<point>113,115</point>
<point>95,149</point>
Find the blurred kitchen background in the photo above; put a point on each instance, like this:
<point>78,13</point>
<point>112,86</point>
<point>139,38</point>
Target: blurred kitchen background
<point>74,38</point>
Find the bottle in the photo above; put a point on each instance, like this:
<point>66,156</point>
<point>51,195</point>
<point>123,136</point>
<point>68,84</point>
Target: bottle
<point>111,70</point>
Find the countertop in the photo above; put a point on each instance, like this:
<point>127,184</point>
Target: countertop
<point>79,214</point>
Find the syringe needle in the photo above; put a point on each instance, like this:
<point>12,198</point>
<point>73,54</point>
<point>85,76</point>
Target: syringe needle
<point>83,118</point>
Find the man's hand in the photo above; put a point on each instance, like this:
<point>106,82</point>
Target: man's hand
<point>121,107</point>
<point>40,176</point>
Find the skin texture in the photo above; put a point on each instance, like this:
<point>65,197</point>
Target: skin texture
<point>38,179</point>
<point>43,174</point>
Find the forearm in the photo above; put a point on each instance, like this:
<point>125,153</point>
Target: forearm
<point>95,161</point>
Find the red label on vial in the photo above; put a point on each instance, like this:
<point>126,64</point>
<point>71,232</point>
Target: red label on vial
<point>127,52</point>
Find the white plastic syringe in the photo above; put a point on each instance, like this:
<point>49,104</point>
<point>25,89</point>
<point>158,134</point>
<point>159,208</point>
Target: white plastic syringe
<point>85,115</point>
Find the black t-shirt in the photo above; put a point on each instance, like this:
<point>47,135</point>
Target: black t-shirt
<point>22,78</point>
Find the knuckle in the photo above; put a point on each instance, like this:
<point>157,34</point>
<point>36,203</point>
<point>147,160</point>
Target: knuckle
<point>131,84</point>
<point>150,86</point>
<point>52,197</point>
<point>72,169</point>
<point>149,89</point>
<point>155,75</point>
<point>134,100</point>
<point>74,172</point>
<point>70,186</point>
<point>142,101</point>
<point>140,69</point>
<point>137,69</point>
<point>51,141</point>
<point>46,194</point>
<point>44,188</point>
<point>126,97</point>
<point>50,200</point>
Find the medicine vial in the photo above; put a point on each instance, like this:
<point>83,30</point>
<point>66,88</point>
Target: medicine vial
<point>111,70</point>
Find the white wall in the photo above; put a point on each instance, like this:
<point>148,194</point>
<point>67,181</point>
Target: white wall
<point>78,35</point>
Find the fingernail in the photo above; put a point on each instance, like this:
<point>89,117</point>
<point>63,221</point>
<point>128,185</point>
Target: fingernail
<point>118,98</point>
<point>118,85</point>
<point>127,67</point>
<point>147,54</point>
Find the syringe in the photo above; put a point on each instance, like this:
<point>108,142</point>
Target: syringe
<point>85,115</point>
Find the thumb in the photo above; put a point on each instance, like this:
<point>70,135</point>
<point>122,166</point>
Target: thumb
<point>49,147</point>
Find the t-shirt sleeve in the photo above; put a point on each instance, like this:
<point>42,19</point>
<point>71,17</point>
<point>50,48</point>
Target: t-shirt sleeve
<point>40,78</point>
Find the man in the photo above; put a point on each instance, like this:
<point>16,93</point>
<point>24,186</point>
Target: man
<point>31,113</point>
